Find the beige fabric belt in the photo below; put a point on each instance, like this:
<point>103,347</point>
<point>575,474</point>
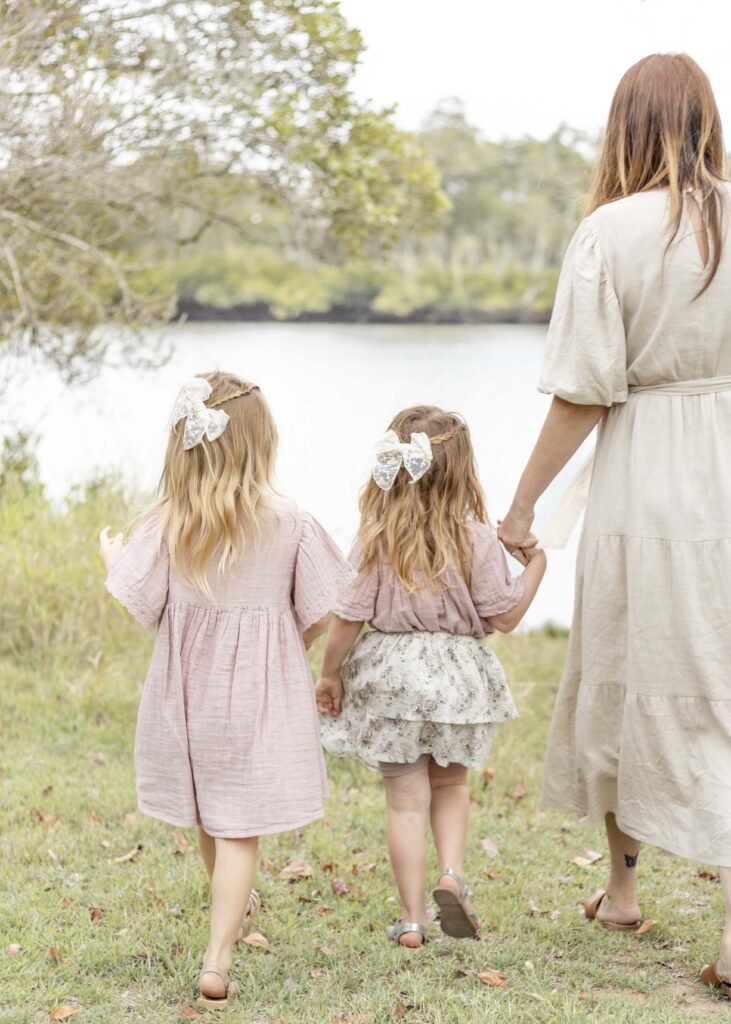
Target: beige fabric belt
<point>565,516</point>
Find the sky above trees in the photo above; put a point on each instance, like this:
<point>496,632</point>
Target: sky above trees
<point>524,67</point>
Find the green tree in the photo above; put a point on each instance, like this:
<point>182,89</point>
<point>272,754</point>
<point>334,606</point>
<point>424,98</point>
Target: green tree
<point>131,127</point>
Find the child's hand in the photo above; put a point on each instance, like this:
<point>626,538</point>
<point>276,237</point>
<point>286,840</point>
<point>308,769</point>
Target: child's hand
<point>328,694</point>
<point>110,547</point>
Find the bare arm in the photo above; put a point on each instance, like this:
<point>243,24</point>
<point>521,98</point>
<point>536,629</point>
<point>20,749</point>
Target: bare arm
<point>533,575</point>
<point>565,428</point>
<point>316,629</point>
<point>340,640</point>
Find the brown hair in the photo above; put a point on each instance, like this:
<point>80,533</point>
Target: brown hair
<point>664,131</point>
<point>420,527</point>
<point>212,496</point>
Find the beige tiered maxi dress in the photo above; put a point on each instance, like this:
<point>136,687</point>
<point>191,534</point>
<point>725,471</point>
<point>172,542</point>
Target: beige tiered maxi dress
<point>642,724</point>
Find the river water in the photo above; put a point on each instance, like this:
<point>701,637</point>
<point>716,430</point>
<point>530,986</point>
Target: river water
<point>332,390</point>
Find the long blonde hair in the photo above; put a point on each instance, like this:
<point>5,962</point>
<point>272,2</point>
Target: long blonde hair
<point>212,497</point>
<point>420,527</point>
<point>664,131</point>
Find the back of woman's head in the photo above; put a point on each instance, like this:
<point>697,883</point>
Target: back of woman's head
<point>664,131</point>
<point>212,494</point>
<point>419,527</point>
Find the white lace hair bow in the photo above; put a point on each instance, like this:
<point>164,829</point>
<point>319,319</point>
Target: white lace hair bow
<point>390,454</point>
<point>200,421</point>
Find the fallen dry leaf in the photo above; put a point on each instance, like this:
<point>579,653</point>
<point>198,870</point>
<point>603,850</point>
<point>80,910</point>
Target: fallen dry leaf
<point>95,913</point>
<point>189,1013</point>
<point>94,818</point>
<point>323,910</point>
<point>47,791</point>
<point>97,757</point>
<point>355,891</point>
<point>488,775</point>
<point>14,948</point>
<point>130,818</point>
<point>495,979</point>
<point>327,950</point>
<point>256,939</point>
<point>63,1011</point>
<point>45,819</point>
<point>339,887</point>
<point>318,972</point>
<point>154,897</point>
<point>398,1011</point>
<point>492,876</point>
<point>129,855</point>
<point>328,868</point>
<point>588,858</point>
<point>53,952</point>
<point>646,926</point>
<point>489,847</point>
<point>520,791</point>
<point>708,876</point>
<point>358,869</point>
<point>295,869</point>
<point>67,901</point>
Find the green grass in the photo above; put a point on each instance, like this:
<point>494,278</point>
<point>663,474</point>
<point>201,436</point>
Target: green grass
<point>70,676</point>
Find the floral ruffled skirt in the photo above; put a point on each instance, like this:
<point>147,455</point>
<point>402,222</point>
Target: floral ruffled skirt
<point>408,694</point>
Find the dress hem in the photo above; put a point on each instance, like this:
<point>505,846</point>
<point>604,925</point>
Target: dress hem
<point>229,833</point>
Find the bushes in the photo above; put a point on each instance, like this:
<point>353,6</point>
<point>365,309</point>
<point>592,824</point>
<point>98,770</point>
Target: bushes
<point>53,605</point>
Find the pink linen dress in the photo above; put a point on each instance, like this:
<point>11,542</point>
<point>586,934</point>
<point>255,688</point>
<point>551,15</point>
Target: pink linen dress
<point>227,733</point>
<point>422,681</point>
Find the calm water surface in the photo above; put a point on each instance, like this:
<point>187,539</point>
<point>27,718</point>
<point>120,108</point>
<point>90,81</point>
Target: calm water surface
<point>333,390</point>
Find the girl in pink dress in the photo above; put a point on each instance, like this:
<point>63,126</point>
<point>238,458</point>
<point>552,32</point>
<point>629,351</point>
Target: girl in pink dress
<point>419,694</point>
<point>238,584</point>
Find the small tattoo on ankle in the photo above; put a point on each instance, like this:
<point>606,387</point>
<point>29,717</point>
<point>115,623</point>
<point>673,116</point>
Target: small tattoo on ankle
<point>630,859</point>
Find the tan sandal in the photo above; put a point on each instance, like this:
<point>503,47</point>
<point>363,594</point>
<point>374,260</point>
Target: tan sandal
<point>253,909</point>
<point>454,918</point>
<point>711,977</point>
<point>591,906</point>
<point>231,988</point>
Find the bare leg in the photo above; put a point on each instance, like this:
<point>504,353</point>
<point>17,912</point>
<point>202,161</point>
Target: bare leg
<point>407,799</point>
<point>620,904</point>
<point>724,959</point>
<point>450,818</point>
<point>207,846</point>
<point>233,877</point>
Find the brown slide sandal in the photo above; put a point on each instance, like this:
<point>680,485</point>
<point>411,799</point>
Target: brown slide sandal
<point>711,977</point>
<point>230,988</point>
<point>591,906</point>
<point>253,908</point>
<point>454,918</point>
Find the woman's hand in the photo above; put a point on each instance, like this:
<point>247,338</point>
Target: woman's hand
<point>329,694</point>
<point>110,547</point>
<point>514,532</point>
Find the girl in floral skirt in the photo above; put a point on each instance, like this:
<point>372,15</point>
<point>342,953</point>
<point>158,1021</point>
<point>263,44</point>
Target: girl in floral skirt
<point>419,694</point>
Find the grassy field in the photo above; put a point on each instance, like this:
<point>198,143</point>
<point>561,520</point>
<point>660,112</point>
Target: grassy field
<point>109,907</point>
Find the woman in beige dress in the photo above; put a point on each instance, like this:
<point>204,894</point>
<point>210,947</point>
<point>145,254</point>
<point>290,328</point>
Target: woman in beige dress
<point>640,344</point>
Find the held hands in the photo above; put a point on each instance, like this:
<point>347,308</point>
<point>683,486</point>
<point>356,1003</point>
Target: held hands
<point>515,534</point>
<point>110,547</point>
<point>328,694</point>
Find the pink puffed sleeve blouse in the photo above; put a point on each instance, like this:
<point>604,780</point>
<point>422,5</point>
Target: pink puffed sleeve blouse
<point>377,596</point>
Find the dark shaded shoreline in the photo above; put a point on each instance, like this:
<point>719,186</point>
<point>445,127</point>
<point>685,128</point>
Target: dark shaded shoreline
<point>260,312</point>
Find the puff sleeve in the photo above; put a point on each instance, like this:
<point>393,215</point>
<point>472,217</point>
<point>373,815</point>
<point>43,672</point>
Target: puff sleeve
<point>140,576</point>
<point>494,591</point>
<point>357,601</point>
<point>586,352</point>
<point>320,573</point>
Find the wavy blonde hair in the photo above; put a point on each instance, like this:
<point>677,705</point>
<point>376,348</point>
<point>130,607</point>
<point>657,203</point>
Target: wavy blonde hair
<point>212,497</point>
<point>664,131</point>
<point>420,527</point>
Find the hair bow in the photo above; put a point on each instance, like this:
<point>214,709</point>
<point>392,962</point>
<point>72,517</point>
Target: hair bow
<point>200,420</point>
<point>391,454</point>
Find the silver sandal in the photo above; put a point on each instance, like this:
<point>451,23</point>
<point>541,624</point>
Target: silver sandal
<point>395,931</point>
<point>230,988</point>
<point>454,918</point>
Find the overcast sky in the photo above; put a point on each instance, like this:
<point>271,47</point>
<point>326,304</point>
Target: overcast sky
<point>524,66</point>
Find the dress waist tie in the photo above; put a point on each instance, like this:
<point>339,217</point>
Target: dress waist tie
<point>565,516</point>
